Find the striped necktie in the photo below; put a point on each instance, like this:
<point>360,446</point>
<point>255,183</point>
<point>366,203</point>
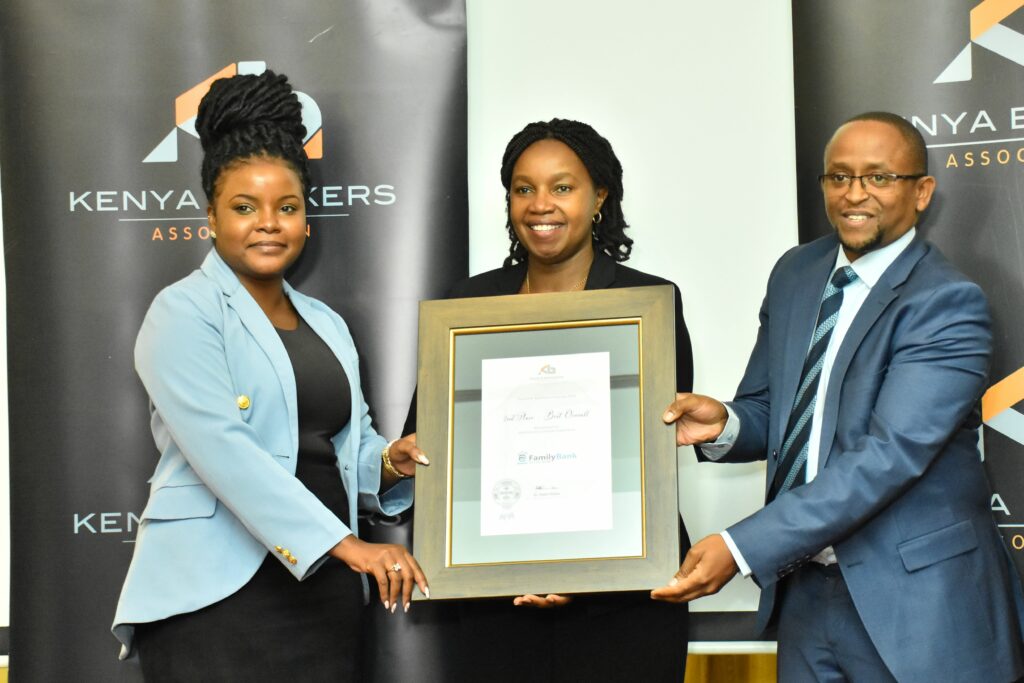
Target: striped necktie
<point>792,469</point>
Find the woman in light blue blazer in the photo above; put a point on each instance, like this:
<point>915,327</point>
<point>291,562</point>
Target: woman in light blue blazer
<point>248,563</point>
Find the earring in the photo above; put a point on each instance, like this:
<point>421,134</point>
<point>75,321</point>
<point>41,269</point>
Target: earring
<point>597,217</point>
<point>213,235</point>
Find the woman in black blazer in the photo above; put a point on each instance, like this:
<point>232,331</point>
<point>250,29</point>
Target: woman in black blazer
<point>566,227</point>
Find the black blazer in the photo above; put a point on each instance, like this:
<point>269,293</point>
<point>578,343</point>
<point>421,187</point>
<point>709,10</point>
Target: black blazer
<point>605,273</point>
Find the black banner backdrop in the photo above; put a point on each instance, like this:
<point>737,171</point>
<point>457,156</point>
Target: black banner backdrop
<point>102,208</point>
<point>955,69</point>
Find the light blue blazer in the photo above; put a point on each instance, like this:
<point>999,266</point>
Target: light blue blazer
<point>901,493</point>
<point>225,420</point>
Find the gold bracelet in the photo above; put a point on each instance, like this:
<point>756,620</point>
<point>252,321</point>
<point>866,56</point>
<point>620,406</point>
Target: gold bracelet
<point>385,456</point>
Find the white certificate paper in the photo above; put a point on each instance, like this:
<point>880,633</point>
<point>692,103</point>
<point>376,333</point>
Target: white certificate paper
<point>546,460</point>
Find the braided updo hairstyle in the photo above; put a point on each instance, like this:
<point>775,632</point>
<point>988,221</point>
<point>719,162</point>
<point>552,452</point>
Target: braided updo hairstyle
<point>604,168</point>
<point>246,117</point>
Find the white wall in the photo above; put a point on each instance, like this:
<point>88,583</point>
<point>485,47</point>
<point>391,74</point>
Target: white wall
<point>697,100</point>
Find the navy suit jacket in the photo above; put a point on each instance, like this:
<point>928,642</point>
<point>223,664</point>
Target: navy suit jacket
<point>901,493</point>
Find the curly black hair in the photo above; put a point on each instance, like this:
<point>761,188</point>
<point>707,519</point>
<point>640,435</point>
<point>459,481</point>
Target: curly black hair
<point>248,116</point>
<point>604,168</point>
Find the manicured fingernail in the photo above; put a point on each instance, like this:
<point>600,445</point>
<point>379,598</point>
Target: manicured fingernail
<point>667,416</point>
<point>387,604</point>
<point>406,607</point>
<point>674,581</point>
<point>426,592</point>
<point>423,460</point>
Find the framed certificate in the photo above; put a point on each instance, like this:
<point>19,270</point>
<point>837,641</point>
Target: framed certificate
<point>552,471</point>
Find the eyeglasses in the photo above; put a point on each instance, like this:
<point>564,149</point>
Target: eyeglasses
<point>876,181</point>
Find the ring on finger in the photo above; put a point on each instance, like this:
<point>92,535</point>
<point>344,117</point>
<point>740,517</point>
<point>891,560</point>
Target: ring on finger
<point>396,567</point>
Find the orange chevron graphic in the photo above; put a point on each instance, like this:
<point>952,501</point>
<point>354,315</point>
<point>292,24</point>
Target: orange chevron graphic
<point>1002,395</point>
<point>989,33</point>
<point>315,147</point>
<point>186,108</point>
<point>989,13</point>
<point>186,105</point>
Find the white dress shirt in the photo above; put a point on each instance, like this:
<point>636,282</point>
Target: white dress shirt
<point>869,269</point>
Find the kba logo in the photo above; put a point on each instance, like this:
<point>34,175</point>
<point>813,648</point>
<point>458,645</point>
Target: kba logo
<point>186,108</point>
<point>989,33</point>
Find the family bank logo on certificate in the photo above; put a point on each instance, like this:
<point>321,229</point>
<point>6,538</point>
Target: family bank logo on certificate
<point>546,454</point>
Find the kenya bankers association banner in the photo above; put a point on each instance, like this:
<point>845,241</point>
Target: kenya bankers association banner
<point>103,208</point>
<point>955,69</point>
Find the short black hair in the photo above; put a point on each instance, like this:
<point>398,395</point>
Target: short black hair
<point>604,168</point>
<point>245,117</point>
<point>911,135</point>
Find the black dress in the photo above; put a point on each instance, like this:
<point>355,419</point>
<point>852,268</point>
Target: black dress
<point>275,627</point>
<point>601,637</point>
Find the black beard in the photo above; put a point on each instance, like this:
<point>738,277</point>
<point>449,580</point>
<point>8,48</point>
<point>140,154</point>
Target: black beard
<point>874,243</point>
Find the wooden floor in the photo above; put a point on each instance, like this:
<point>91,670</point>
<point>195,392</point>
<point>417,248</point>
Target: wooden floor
<point>729,669</point>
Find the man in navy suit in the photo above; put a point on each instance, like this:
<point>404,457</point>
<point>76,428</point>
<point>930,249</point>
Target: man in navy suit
<point>876,552</point>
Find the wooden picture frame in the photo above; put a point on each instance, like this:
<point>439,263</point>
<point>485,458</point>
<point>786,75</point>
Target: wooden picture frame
<point>634,328</point>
